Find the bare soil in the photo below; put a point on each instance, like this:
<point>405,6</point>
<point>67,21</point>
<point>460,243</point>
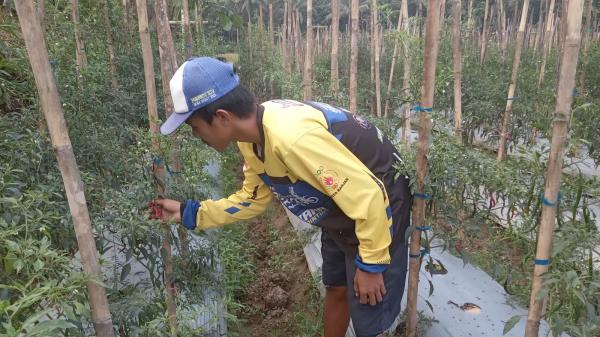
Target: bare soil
<point>282,300</point>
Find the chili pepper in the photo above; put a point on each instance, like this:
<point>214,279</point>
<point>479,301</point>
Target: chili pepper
<point>155,211</point>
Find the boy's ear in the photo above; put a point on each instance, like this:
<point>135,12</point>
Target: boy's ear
<point>223,114</point>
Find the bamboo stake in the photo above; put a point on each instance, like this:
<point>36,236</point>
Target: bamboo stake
<point>483,38</point>
<point>405,92</point>
<point>513,84</point>
<point>187,32</point>
<point>41,11</point>
<point>376,60</point>
<point>428,89</point>
<point>562,116</point>
<point>547,42</point>
<point>271,31</point>
<point>308,53</point>
<point>540,29</point>
<point>586,46</point>
<point>80,47</point>
<point>393,64</point>
<point>457,67</point>
<point>353,56</point>
<point>158,168</point>
<point>61,143</point>
<point>111,51</point>
<point>335,27</point>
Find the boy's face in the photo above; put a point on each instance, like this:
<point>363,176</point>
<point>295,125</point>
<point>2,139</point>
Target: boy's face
<point>218,134</point>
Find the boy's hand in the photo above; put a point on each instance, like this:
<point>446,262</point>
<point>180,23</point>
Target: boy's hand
<point>168,209</point>
<point>369,287</point>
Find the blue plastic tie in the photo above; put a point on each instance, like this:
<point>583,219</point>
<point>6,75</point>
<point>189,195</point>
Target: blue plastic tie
<point>575,93</point>
<point>514,98</point>
<point>549,203</point>
<point>188,46</point>
<point>157,161</point>
<point>53,62</point>
<point>542,262</point>
<point>424,228</point>
<point>414,256</point>
<point>420,108</point>
<point>425,196</point>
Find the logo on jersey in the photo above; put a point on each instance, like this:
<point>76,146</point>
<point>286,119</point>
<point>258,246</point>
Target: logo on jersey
<point>361,122</point>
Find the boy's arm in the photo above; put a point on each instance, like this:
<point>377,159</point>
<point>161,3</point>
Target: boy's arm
<point>324,162</point>
<point>251,200</point>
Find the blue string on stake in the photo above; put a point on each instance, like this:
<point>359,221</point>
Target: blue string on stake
<point>412,256</point>
<point>542,262</point>
<point>418,108</point>
<point>514,98</point>
<point>549,203</point>
<point>425,196</point>
<point>423,228</point>
<point>575,93</point>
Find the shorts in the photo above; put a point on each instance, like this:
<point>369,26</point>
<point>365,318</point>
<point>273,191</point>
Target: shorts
<point>339,270</point>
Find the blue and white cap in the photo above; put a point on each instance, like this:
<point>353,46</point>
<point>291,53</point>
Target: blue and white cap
<point>198,82</point>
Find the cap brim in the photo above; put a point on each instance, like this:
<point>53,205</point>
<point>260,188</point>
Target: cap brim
<point>173,122</point>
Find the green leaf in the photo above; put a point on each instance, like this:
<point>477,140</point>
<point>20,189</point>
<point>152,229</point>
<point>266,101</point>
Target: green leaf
<point>430,288</point>
<point>38,265</point>
<point>125,271</point>
<point>429,305</point>
<point>510,324</point>
<point>43,328</point>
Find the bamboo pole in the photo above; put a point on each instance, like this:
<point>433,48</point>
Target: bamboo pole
<point>457,67</point>
<point>540,27</point>
<point>187,32</point>
<point>483,37</point>
<point>110,44</point>
<point>547,42</point>
<point>562,116</point>
<point>81,58</point>
<point>61,143</point>
<point>503,32</point>
<point>376,60</point>
<point>428,89</point>
<point>271,31</point>
<point>405,93</point>
<point>353,56</point>
<point>41,11</point>
<point>335,27</point>
<point>586,46</point>
<point>513,84</point>
<point>308,52</point>
<point>158,168</point>
<point>393,64</point>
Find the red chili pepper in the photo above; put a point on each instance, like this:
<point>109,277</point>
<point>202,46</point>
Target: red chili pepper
<point>155,211</point>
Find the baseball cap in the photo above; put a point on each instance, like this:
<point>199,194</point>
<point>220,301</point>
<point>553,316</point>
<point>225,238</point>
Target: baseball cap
<point>198,82</point>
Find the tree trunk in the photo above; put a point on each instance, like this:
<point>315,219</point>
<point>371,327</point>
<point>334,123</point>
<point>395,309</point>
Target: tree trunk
<point>353,56</point>
<point>111,50</point>
<point>457,67</point>
<point>483,42</point>
<point>376,63</point>
<point>586,46</point>
<point>388,92</point>
<point>61,143</point>
<point>80,51</point>
<point>187,32</point>
<point>513,84</point>
<point>547,42</point>
<point>335,27</point>
<point>562,115</point>
<point>158,169</point>
<point>308,53</point>
<point>428,89</point>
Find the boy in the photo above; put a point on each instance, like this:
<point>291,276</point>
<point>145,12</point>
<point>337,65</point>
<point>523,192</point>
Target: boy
<point>327,166</point>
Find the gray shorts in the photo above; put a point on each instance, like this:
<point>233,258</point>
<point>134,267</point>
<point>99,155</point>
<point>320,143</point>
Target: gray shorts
<point>339,270</point>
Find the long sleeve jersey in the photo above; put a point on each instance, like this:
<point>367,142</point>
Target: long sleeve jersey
<point>328,167</point>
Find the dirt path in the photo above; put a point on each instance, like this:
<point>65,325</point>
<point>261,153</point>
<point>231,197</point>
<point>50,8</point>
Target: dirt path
<point>283,300</point>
